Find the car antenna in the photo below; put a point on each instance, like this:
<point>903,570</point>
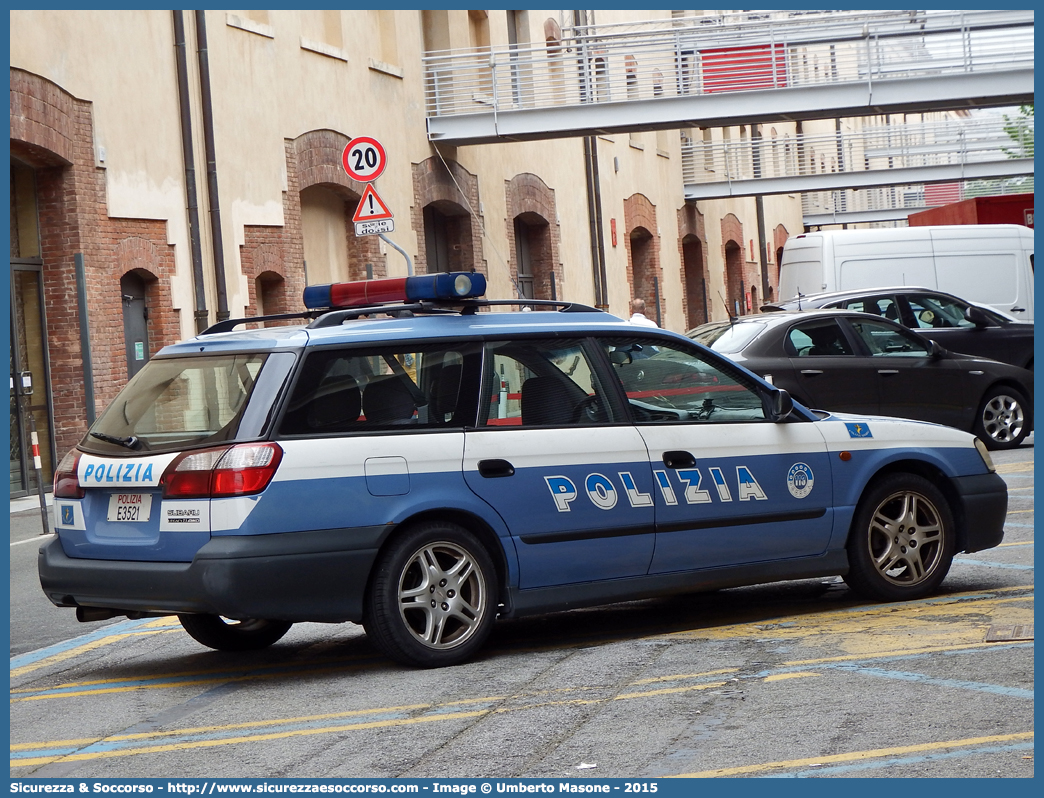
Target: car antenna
<point>732,320</point>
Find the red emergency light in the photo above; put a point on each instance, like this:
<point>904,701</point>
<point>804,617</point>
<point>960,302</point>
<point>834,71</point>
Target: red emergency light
<point>363,293</point>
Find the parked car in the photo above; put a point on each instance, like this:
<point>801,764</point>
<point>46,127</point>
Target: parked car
<point>423,468</point>
<point>957,324</point>
<point>853,362</point>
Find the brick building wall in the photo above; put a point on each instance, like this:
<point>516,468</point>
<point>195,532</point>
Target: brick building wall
<point>642,243</point>
<point>53,132</point>
<point>434,185</point>
<point>530,198</point>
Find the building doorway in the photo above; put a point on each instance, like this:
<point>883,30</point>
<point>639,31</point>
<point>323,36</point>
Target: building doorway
<point>28,361</point>
<point>135,322</point>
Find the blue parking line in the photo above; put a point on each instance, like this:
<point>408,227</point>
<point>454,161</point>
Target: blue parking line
<point>907,676</point>
<point>123,627</point>
<point>889,763</point>
<point>965,561</point>
<point>1021,526</point>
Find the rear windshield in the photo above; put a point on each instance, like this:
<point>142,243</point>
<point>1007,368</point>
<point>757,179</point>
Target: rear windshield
<point>728,338</point>
<point>173,403</point>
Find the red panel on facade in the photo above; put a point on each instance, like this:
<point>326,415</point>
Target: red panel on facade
<point>1003,209</point>
<point>942,194</point>
<point>744,68</point>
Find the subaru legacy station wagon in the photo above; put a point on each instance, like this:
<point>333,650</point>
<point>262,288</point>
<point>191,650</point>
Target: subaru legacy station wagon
<point>422,461</point>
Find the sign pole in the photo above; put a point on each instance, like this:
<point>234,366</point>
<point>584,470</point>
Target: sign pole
<point>401,251</point>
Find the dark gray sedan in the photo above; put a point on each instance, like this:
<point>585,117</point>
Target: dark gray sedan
<point>955,323</point>
<point>859,363</point>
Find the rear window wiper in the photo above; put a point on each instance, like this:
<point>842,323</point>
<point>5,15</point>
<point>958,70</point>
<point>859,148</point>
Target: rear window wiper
<point>130,442</point>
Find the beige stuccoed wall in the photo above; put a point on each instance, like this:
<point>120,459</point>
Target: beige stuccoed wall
<point>123,64</point>
<point>278,75</point>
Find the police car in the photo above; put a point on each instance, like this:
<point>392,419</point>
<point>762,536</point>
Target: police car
<point>411,461</point>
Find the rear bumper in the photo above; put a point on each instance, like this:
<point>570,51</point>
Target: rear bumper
<point>984,505</point>
<point>297,576</point>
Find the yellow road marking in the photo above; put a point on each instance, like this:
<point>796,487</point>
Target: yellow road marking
<point>1019,512</point>
<point>379,724</point>
<point>1013,468</point>
<point>903,652</point>
<point>796,675</point>
<point>855,756</point>
<point>669,690</point>
<point>1021,543</point>
<point>75,652</point>
<point>679,677</point>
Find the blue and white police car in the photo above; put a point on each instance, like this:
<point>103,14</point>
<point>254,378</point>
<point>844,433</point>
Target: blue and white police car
<point>413,462</point>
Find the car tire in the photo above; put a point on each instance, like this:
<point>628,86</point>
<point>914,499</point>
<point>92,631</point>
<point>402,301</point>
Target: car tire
<point>224,634</point>
<point>902,539</point>
<point>1003,419</point>
<point>433,596</point>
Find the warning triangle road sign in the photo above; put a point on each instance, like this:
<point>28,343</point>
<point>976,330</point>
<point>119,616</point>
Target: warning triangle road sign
<point>371,206</point>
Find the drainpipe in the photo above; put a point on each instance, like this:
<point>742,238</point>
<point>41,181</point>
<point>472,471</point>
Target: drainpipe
<point>212,182</point>
<point>594,213</point>
<point>759,208</point>
<point>190,173</point>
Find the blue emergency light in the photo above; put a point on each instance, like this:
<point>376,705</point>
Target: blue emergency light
<point>363,293</point>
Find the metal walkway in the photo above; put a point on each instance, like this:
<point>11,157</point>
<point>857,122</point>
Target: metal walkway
<point>933,152</point>
<point>736,69</point>
<point>896,202</point>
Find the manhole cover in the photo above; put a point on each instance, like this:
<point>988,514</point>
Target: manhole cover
<point>998,634</point>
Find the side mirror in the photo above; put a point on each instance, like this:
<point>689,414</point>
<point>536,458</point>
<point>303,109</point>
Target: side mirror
<point>976,316</point>
<point>780,405</point>
<point>935,349</point>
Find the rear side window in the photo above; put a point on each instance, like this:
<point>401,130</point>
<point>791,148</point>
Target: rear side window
<point>883,306</point>
<point>357,390</point>
<point>818,339</point>
<point>177,402</point>
<point>535,383</point>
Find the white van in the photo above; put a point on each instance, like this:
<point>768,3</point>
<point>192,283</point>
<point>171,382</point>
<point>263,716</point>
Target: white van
<point>991,264</point>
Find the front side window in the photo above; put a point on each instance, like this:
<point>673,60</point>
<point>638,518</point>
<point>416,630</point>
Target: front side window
<point>886,340</point>
<point>542,383</point>
<point>665,383</point>
<point>176,402</point>
<point>818,338</point>
<point>933,312</point>
<point>358,390</point>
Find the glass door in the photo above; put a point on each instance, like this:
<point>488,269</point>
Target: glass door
<point>28,362</point>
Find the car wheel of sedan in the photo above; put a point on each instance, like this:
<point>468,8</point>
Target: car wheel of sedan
<point>1003,419</point>
<point>225,634</point>
<point>902,539</point>
<point>432,599</point>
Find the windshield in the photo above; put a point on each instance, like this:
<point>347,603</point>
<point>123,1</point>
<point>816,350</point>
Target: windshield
<point>174,402</point>
<point>728,338</point>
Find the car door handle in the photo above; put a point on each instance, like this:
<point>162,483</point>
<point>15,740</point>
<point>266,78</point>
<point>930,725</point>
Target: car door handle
<point>491,469</point>
<point>678,460</point>
<point>888,371</point>
<point>811,372</point>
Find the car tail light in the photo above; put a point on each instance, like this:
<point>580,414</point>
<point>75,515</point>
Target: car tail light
<point>228,471</point>
<point>66,481</point>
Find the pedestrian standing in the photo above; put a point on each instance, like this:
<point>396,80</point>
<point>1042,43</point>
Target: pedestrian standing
<point>638,314</point>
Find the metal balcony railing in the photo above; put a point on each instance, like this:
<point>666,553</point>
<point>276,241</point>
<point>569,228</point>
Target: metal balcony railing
<point>727,53</point>
<point>951,142</point>
<point>891,203</point>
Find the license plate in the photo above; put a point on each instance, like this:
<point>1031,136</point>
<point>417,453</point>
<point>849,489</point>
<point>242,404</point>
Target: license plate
<point>130,506</point>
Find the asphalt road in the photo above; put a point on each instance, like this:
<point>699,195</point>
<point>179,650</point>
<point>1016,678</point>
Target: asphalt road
<point>794,679</point>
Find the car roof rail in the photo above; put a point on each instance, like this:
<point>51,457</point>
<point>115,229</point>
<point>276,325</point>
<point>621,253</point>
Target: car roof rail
<point>332,318</point>
<point>227,325</point>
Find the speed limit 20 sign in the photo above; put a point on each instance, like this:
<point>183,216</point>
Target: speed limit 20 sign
<point>364,159</point>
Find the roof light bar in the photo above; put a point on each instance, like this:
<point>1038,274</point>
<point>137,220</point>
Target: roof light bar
<point>362,293</point>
